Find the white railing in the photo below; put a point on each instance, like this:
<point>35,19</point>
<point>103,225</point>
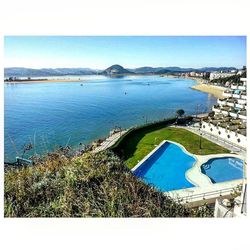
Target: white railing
<point>244,117</point>
<point>207,195</point>
<point>234,115</point>
<point>242,87</point>
<point>226,94</point>
<point>216,109</point>
<point>222,102</point>
<point>242,101</point>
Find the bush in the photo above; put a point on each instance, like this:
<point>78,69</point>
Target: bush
<point>90,185</point>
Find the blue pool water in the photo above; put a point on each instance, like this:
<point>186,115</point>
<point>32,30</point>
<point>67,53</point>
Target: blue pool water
<point>66,113</point>
<point>166,168</point>
<point>223,169</point>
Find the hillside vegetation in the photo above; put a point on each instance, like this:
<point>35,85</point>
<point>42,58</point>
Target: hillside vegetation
<point>90,185</point>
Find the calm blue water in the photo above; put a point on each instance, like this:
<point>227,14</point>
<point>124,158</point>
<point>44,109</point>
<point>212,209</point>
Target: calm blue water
<point>52,114</point>
<point>166,168</point>
<point>223,169</point>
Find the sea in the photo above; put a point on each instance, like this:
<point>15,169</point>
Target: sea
<point>74,113</point>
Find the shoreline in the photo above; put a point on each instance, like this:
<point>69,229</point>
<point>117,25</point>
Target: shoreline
<point>45,81</point>
<point>201,85</point>
<point>210,89</point>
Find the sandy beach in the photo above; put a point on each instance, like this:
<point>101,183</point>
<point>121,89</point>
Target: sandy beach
<point>202,86</point>
<point>214,90</point>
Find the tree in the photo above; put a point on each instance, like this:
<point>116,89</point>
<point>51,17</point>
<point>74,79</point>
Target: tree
<point>180,112</point>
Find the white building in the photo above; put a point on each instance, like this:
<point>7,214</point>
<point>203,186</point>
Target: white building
<point>217,75</point>
<point>230,116</point>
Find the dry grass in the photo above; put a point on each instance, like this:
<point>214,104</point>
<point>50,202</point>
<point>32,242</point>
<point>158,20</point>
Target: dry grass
<point>85,186</point>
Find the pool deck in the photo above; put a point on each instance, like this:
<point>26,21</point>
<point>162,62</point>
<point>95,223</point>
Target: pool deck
<point>204,191</point>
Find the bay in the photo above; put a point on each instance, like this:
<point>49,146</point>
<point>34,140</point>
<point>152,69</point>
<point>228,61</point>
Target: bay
<point>68,113</point>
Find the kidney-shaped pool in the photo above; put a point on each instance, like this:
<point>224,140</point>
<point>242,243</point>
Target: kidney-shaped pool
<point>165,168</point>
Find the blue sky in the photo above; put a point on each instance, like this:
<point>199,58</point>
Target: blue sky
<point>128,51</point>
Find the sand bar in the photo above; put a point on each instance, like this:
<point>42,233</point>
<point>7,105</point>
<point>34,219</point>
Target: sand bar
<point>46,80</point>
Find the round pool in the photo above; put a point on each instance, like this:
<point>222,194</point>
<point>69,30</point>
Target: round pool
<point>223,169</point>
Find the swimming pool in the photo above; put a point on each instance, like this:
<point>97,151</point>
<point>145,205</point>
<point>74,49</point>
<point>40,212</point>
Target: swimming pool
<point>165,168</point>
<point>223,169</point>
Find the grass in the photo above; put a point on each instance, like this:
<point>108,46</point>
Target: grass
<point>136,146</point>
<point>89,185</point>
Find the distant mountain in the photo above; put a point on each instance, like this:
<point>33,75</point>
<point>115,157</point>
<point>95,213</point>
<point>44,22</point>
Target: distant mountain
<point>27,72</point>
<point>116,70</point>
<point>145,70</point>
<point>112,70</point>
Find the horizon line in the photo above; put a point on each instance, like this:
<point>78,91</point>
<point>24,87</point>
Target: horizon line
<point>191,67</point>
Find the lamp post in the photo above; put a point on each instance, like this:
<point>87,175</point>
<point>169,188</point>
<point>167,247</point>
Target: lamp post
<point>197,110</point>
<point>200,134</point>
<point>200,139</point>
<point>155,139</point>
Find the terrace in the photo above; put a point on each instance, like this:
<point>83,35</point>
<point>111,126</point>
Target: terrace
<point>236,93</point>
<point>228,93</point>
<point>225,110</point>
<point>217,108</point>
<point>234,113</point>
<point>240,86</point>
<point>222,101</point>
<point>243,95</point>
<point>228,123</point>
<point>231,102</point>
<point>242,101</point>
<point>243,114</point>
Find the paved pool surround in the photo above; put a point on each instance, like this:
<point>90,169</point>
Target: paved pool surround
<point>194,174</point>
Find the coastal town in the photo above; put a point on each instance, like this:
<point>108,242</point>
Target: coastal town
<point>215,82</point>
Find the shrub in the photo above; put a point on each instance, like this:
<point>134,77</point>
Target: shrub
<point>90,185</point>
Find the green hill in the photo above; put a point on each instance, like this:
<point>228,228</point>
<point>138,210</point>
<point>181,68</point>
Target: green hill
<point>116,70</point>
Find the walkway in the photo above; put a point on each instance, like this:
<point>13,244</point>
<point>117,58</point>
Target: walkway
<point>110,141</point>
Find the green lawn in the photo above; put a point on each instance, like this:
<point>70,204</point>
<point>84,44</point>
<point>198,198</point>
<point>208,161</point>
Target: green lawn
<point>134,148</point>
